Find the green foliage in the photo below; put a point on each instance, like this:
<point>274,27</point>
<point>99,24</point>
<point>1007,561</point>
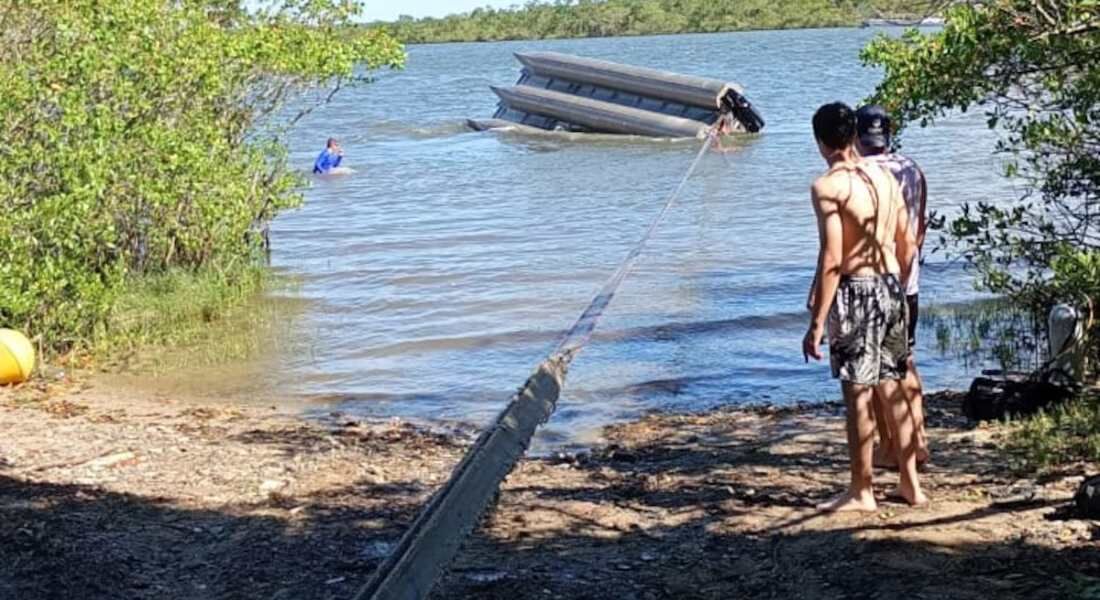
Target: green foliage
<point>1064,435</point>
<point>603,18</point>
<point>141,137</point>
<point>1034,68</point>
<point>173,308</point>
<point>184,320</point>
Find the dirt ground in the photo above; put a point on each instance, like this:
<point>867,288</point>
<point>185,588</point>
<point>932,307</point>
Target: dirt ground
<point>116,494</point>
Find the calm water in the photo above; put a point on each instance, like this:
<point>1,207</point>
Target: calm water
<point>436,278</point>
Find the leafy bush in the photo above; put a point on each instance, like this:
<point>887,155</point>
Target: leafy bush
<point>1066,434</point>
<point>141,137</point>
<point>1033,68</point>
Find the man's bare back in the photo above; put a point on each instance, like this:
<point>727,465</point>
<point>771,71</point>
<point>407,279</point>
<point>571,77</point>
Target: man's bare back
<point>872,212</point>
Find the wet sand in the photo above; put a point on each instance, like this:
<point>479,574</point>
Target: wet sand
<point>109,493</point>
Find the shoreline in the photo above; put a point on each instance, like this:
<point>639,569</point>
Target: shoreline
<point>130,496</point>
<point>865,24</point>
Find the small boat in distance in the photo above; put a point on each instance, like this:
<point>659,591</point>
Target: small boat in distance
<point>560,92</point>
<point>925,22</point>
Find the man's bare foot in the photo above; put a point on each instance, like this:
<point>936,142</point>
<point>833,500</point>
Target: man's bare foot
<point>915,500</point>
<point>848,502</point>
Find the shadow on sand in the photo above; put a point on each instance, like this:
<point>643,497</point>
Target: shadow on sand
<point>680,515</point>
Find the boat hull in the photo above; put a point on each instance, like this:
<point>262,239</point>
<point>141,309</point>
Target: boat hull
<point>559,92</point>
<point>598,116</point>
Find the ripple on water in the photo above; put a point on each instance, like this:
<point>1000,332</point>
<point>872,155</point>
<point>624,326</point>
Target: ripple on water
<point>445,269</point>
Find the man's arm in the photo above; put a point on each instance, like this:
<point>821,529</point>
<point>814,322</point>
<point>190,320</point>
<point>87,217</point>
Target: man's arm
<point>922,215</point>
<point>812,293</point>
<point>830,260</point>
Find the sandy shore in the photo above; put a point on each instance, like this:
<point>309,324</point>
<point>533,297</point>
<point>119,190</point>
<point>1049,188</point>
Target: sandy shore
<point>105,494</point>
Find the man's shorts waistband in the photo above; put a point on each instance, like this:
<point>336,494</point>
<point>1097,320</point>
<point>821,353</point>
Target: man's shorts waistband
<point>868,278</point>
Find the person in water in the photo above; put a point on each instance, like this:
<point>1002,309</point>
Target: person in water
<point>873,143</point>
<point>329,158</point>
<point>863,228</point>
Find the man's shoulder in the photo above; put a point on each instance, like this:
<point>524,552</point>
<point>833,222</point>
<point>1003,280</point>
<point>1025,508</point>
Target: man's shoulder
<point>903,157</point>
<point>894,160</point>
<point>912,165</point>
<point>832,185</point>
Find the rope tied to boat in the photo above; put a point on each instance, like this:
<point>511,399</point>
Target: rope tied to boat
<point>434,538</point>
<point>580,333</point>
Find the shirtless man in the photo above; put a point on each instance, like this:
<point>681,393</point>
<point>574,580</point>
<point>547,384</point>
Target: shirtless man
<point>863,228</point>
<point>873,143</point>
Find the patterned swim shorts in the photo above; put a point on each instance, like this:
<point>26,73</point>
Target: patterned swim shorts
<point>868,330</point>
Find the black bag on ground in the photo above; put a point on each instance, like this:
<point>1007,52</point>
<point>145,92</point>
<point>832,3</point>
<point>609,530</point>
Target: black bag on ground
<point>996,398</point>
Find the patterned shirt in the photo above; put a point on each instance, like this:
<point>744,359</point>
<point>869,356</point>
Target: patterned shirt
<point>912,183</point>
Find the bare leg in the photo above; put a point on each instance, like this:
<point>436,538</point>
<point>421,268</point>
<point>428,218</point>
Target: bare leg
<point>886,454</point>
<point>914,393</point>
<point>861,432</point>
<point>904,427</point>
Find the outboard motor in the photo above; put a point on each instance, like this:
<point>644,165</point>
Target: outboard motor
<point>743,110</point>
<point>1067,332</point>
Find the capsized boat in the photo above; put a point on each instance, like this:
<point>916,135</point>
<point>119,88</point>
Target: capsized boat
<point>560,92</point>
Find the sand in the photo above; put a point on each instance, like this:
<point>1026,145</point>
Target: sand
<point>113,493</point>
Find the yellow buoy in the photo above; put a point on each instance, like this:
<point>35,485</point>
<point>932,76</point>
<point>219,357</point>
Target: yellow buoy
<point>16,357</point>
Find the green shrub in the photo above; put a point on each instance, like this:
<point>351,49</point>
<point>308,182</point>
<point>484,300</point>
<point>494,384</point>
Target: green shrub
<point>1066,434</point>
<point>1032,70</point>
<point>141,138</point>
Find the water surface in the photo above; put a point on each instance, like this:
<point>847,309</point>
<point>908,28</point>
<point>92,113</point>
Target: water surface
<point>436,278</point>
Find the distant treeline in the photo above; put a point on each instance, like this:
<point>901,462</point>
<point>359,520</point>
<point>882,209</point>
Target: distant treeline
<point>604,18</point>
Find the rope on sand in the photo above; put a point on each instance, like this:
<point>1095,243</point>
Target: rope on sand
<point>434,538</point>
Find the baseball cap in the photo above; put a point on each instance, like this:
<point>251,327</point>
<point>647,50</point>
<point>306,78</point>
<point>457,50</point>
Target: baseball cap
<point>873,126</point>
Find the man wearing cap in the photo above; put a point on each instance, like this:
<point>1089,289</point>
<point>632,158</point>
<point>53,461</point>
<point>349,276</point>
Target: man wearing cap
<point>873,142</point>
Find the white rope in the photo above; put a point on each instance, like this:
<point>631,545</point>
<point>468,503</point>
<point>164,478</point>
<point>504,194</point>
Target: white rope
<point>435,537</point>
<point>580,333</point>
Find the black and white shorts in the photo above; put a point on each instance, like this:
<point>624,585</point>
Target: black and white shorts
<point>869,330</point>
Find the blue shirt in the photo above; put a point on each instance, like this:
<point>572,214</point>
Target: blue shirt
<point>326,161</point>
